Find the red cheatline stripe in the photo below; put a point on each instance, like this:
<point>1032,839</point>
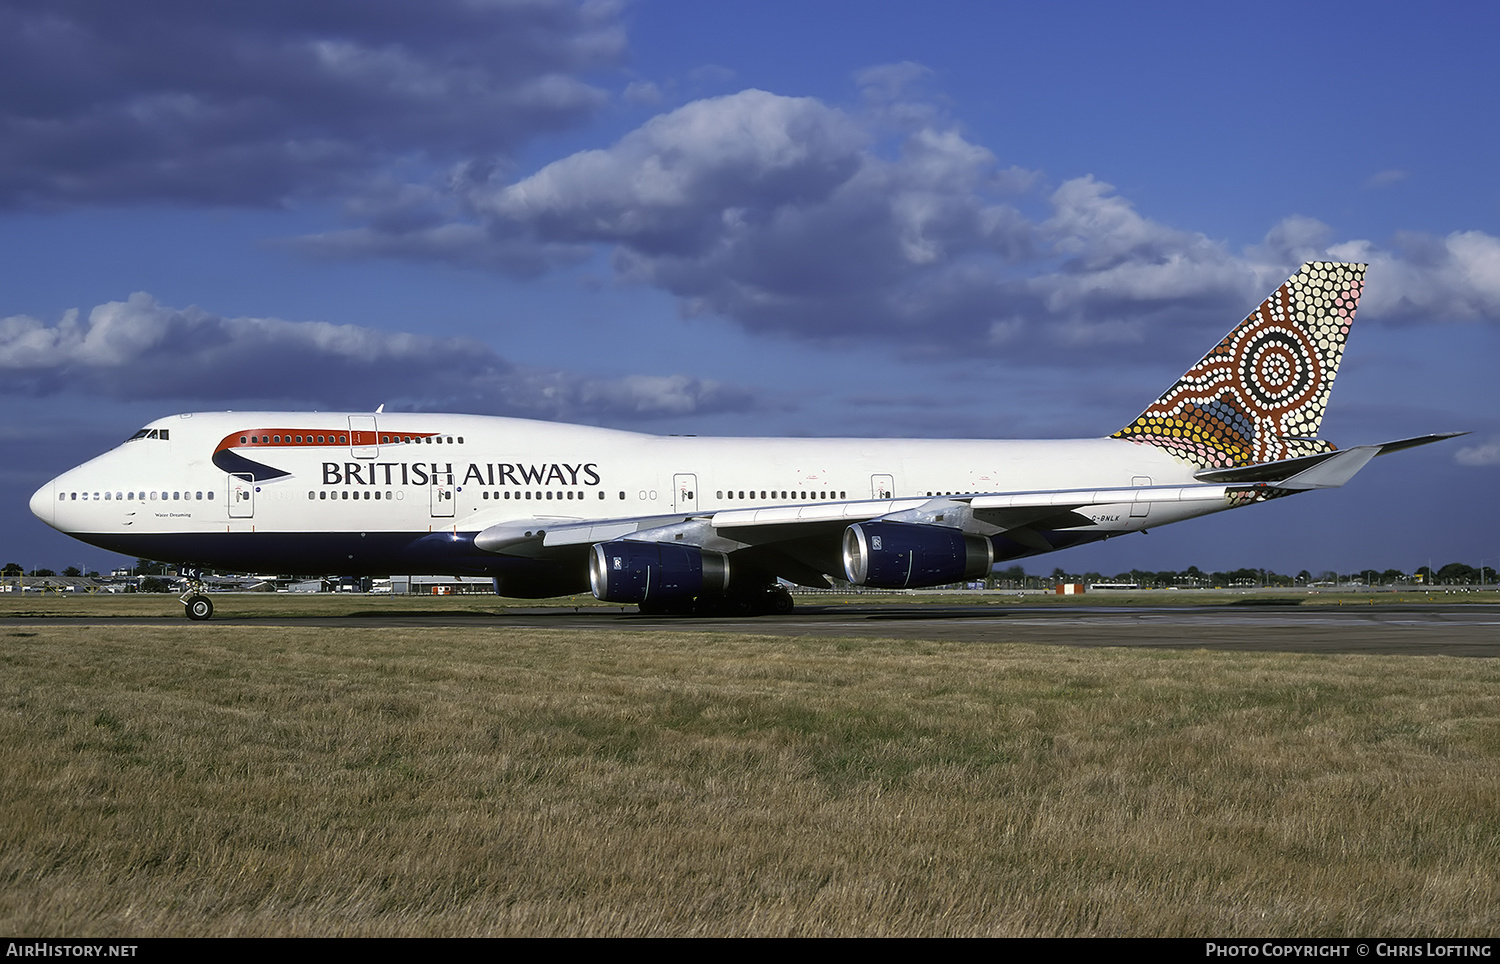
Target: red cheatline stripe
<point>340,438</point>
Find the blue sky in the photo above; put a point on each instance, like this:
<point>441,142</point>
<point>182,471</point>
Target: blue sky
<point>899,219</point>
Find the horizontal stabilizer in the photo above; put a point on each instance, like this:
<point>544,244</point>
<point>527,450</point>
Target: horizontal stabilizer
<point>1333,471</point>
<point>1410,443</point>
<point>1266,471</point>
<point>1325,470</point>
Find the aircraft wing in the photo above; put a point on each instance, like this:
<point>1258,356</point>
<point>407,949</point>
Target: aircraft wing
<point>732,530</point>
<point>532,538</point>
<point>991,512</point>
<point>802,542</point>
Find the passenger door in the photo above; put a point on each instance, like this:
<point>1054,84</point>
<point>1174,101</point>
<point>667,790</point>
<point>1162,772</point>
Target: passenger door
<point>685,492</point>
<point>442,496</point>
<point>241,496</point>
<point>363,442</point>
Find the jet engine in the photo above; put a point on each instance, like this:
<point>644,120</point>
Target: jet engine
<point>640,572</point>
<point>904,555</point>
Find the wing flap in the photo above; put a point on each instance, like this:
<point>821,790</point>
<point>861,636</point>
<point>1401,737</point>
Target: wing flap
<point>509,537</point>
<point>816,512</point>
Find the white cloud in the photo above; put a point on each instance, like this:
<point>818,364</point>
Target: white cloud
<point>791,216</point>
<point>1485,453</point>
<point>669,182</point>
<point>255,104</point>
<point>1115,257</point>
<point>139,349</point>
<point>1427,279</point>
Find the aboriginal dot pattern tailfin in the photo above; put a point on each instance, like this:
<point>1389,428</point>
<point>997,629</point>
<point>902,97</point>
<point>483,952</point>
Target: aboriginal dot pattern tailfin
<point>1260,395</point>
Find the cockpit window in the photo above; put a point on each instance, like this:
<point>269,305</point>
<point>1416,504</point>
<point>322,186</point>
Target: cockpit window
<point>161,433</point>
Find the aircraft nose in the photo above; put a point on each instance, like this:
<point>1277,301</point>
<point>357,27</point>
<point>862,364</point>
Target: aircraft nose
<point>44,502</point>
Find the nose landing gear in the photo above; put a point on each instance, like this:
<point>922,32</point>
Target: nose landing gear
<point>197,606</point>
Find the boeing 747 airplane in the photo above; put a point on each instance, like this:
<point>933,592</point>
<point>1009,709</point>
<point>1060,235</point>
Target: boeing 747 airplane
<point>713,525</point>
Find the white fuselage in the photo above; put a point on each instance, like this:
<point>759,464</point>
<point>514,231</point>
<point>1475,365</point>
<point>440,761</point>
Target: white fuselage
<point>522,501</point>
<point>468,472</point>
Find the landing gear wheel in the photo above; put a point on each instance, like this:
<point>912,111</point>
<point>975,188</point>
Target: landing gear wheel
<point>779,602</point>
<point>198,607</point>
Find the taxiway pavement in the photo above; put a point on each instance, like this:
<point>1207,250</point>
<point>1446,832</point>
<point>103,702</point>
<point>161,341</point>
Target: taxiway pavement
<point>1414,629</point>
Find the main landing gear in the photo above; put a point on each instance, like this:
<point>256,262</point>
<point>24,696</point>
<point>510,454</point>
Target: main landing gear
<point>197,606</point>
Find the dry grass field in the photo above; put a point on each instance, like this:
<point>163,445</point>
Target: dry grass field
<point>214,780</point>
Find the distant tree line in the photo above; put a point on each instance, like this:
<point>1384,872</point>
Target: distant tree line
<point>1453,574</point>
<point>15,569</point>
<point>158,577</point>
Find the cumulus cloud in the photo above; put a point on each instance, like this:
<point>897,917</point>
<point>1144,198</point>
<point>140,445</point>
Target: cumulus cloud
<point>1485,453</point>
<point>1425,278</point>
<point>790,216</point>
<point>785,215</point>
<point>138,349</point>
<point>250,104</point>
<point>1120,270</point>
<point>671,185</point>
<point>775,211</point>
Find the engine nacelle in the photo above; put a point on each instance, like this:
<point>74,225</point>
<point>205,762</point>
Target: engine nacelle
<point>904,555</point>
<point>637,572</point>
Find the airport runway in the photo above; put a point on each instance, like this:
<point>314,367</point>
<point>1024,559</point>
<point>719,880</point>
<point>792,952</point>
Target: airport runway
<point>1414,629</point>
<point>1433,630</point>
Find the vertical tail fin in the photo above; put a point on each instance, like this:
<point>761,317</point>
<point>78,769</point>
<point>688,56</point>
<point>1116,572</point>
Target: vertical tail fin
<point>1260,395</point>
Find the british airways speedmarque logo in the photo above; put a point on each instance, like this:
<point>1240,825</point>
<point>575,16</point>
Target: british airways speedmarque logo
<point>236,464</point>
